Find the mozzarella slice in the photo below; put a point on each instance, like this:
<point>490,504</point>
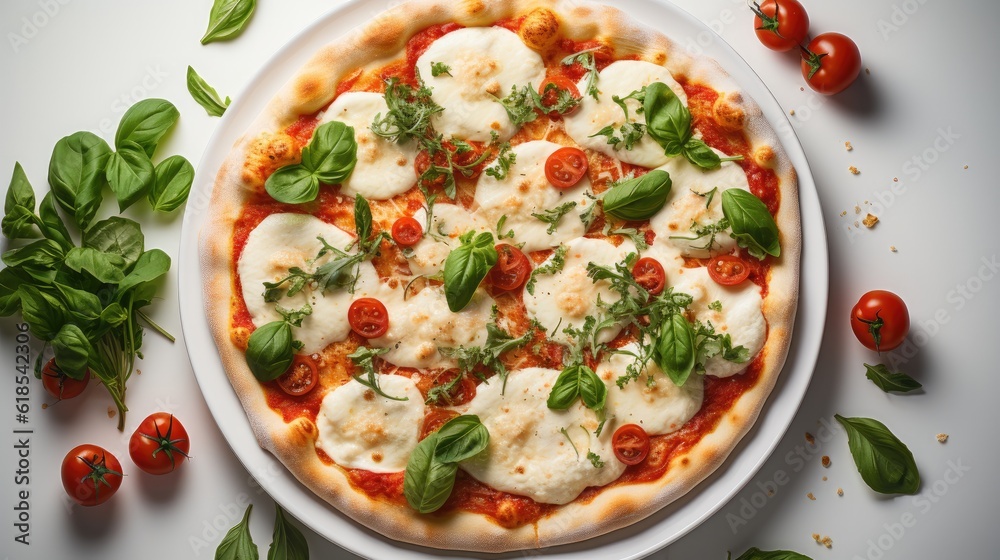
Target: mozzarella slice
<point>566,298</point>
<point>526,191</point>
<point>448,222</point>
<point>620,78</point>
<point>528,454</point>
<point>283,241</point>
<point>384,168</point>
<point>741,315</point>
<point>485,62</point>
<point>660,409</point>
<point>360,429</point>
<point>422,323</point>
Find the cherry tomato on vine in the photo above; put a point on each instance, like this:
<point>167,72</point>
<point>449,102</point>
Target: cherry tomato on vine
<point>368,317</point>
<point>728,270</point>
<point>301,376</point>
<point>831,62</point>
<point>407,231</point>
<point>631,444</point>
<point>90,474</point>
<point>781,25</point>
<point>159,444</point>
<point>880,320</point>
<point>511,270</point>
<point>60,385</point>
<point>566,167</point>
<point>648,273</point>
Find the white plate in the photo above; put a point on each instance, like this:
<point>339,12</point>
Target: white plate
<point>636,541</point>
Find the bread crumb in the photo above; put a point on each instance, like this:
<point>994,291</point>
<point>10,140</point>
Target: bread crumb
<point>892,248</point>
<point>801,88</point>
<point>810,439</point>
<point>848,146</point>
<point>844,213</point>
<point>792,112</point>
<point>853,170</point>
<point>826,461</point>
<point>966,167</point>
<point>816,537</point>
<point>827,542</point>
<point>840,491</point>
<point>825,479</point>
<point>868,71</point>
<point>870,220</point>
<point>856,224</point>
<point>811,497</point>
<point>895,179</point>
<point>857,209</point>
<point>942,438</point>
<point>111,412</point>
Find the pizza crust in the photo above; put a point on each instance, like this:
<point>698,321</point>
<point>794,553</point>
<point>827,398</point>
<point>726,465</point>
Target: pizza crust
<point>312,89</point>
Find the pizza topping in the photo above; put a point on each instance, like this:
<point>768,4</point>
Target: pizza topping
<point>466,267</point>
<point>579,381</point>
<point>329,158</point>
<point>499,171</point>
<point>433,466</point>
<point>511,270</point>
<point>639,198</point>
<point>553,265</point>
<point>558,95</point>
<point>565,167</point>
<point>407,231</point>
<point>475,359</point>
<point>585,59</point>
<point>368,318</point>
<point>301,377</point>
<point>668,122</point>
<point>752,224</point>
<point>446,225</point>
<point>631,444</point>
<point>630,131</point>
<point>440,69</point>
<point>728,270</point>
<point>451,388</point>
<point>648,273</point>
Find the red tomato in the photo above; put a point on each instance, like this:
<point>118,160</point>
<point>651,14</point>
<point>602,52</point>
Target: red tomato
<point>781,26</point>
<point>160,444</point>
<point>831,62</point>
<point>301,377</point>
<point>511,270</point>
<point>90,474</point>
<point>649,274</point>
<point>423,162</point>
<point>552,88</point>
<point>368,317</point>
<point>435,418</point>
<point>565,167</point>
<point>460,393</point>
<point>407,232</point>
<point>728,270</point>
<point>60,385</point>
<point>880,320</point>
<point>631,444</point>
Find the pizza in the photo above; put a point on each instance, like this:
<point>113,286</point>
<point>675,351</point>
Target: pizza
<point>503,275</point>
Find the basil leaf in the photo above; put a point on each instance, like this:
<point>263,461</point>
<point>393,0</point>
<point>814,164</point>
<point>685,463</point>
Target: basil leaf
<point>82,307</point>
<point>238,543</point>
<point>427,482</point>
<point>19,207</point>
<point>172,184</point>
<point>758,554</point>
<point>461,438</point>
<point>292,184</point>
<point>130,174</point>
<point>269,350</point>
<point>639,198</point>
<point>578,381</point>
<point>668,121</point>
<point>72,351</point>
<point>890,381</point>
<point>466,267</point>
<point>593,391</point>
<point>118,236</point>
<point>362,219</point>
<point>11,278</point>
<point>105,267</point>
<point>227,19</point>
<point>150,266</point>
<point>751,222</point>
<point>40,258</point>
<point>205,95</point>
<point>42,311</point>
<point>287,543</point>
<point>76,175</point>
<point>697,152</point>
<point>18,223</point>
<point>145,123</point>
<point>885,463</point>
<point>52,224</point>
<point>332,152</point>
<point>675,349</point>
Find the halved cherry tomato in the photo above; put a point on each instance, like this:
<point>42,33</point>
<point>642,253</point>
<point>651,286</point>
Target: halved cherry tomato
<point>552,88</point>
<point>160,444</point>
<point>880,320</point>
<point>631,444</point>
<point>831,62</point>
<point>435,418</point>
<point>781,26</point>
<point>407,231</point>
<point>648,273</point>
<point>60,385</point>
<point>301,377</point>
<point>460,393</point>
<point>368,317</point>
<point>90,474</point>
<point>511,270</point>
<point>728,270</point>
<point>565,167</point>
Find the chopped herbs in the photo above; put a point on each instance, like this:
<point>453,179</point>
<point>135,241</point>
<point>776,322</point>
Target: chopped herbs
<point>441,394</point>
<point>505,159</point>
<point>500,232</point>
<point>715,305</point>
<point>564,102</point>
<point>364,358</point>
<point>586,59</point>
<point>637,237</point>
<point>409,114</point>
<point>570,440</point>
<point>520,104</point>
<point>498,341</point>
<point>630,131</point>
<point>708,196</point>
<point>595,460</point>
<point>553,266</point>
<point>440,68</point>
<point>709,231</point>
<point>554,215</point>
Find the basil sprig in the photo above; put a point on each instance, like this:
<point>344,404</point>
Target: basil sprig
<point>575,381</point>
<point>891,381</point>
<point>174,177</point>
<point>758,554</point>
<point>269,350</point>
<point>638,198</point>
<point>76,175</point>
<point>433,465</point>
<point>668,122</point>
<point>227,19</point>
<point>676,348</point>
<point>329,158</point>
<point>238,543</point>
<point>205,95</point>
<point>466,267</point>
<point>287,541</point>
<point>752,224</point>
<point>145,123</point>
<point>885,463</point>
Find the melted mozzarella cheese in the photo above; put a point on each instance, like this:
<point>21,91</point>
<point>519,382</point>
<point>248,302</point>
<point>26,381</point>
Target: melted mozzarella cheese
<point>620,78</point>
<point>660,409</point>
<point>526,191</point>
<point>741,315</point>
<point>485,62</point>
<point>566,298</point>
<point>284,241</point>
<point>384,168</point>
<point>528,454</point>
<point>360,429</point>
<point>448,222</point>
<point>422,323</point>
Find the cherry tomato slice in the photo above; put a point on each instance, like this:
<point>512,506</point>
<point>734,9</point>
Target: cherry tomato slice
<point>728,270</point>
<point>301,377</point>
<point>368,317</point>
<point>458,394</point>
<point>511,270</point>
<point>631,444</point>
<point>551,90</point>
<point>565,167</point>
<point>407,232</point>
<point>648,273</point>
<point>435,418</point>
<point>880,320</point>
<point>60,385</point>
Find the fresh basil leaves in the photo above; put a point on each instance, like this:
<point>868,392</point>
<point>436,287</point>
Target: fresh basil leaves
<point>575,381</point>
<point>145,123</point>
<point>227,19</point>
<point>668,122</point>
<point>287,541</point>
<point>174,177</point>
<point>758,554</point>
<point>433,465</point>
<point>885,463</point>
<point>205,95</point>
<point>676,348</point>
<point>752,224</point>
<point>466,267</point>
<point>76,175</point>
<point>130,174</point>
<point>238,543</point>
<point>269,350</point>
<point>891,381</point>
<point>329,158</point>
<point>638,198</point>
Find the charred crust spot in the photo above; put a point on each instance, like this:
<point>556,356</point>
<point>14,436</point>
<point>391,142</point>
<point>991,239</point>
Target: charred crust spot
<point>540,28</point>
<point>726,111</point>
<point>369,395</point>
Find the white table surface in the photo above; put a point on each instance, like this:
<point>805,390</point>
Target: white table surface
<point>924,113</point>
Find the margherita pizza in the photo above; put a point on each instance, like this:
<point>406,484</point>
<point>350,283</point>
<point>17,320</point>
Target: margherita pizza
<point>501,275</point>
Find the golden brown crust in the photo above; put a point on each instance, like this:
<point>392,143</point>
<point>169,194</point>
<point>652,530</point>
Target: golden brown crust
<point>313,88</point>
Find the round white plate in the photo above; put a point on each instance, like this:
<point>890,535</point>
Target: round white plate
<point>636,541</point>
